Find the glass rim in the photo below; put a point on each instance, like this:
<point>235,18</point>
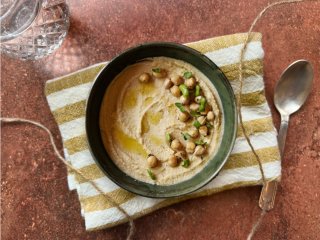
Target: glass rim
<point>26,25</point>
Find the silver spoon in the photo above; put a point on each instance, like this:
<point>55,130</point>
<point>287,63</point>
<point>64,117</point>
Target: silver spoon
<point>291,92</point>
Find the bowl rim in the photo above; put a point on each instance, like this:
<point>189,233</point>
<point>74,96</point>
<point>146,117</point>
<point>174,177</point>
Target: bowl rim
<point>235,123</point>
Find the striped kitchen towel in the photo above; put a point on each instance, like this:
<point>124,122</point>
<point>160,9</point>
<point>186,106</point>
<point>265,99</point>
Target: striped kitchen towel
<point>67,99</point>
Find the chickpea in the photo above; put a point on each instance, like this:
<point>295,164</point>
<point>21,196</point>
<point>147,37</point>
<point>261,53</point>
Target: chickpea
<point>194,132</point>
<point>194,106</point>
<point>144,77</point>
<point>198,99</point>
<point>152,161</point>
<point>191,83</point>
<point>176,79</point>
<point>203,130</point>
<point>190,146</point>
<point>201,120</point>
<point>176,145</point>
<point>183,116</point>
<point>184,100</point>
<point>173,161</point>
<point>167,83</point>
<point>199,150</point>
<point>175,91</point>
<point>159,72</point>
<point>210,116</point>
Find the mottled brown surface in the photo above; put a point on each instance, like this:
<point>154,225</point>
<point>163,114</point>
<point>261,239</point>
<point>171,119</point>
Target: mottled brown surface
<point>36,203</point>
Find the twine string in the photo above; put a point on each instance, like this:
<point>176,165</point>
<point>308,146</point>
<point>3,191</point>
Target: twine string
<point>131,230</point>
<point>256,224</point>
<point>57,153</point>
<point>243,50</point>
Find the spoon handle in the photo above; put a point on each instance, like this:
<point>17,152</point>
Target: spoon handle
<point>269,190</point>
<point>283,133</point>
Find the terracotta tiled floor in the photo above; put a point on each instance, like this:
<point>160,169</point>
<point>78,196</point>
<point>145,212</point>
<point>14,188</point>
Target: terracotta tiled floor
<point>36,203</point>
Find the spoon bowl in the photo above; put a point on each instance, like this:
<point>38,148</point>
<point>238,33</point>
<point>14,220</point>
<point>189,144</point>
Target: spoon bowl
<point>293,87</point>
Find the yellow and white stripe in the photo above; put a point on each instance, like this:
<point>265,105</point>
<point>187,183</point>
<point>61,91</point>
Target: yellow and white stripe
<point>67,98</point>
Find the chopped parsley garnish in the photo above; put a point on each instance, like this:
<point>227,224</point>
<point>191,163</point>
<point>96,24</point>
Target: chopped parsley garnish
<point>197,92</point>
<point>194,113</point>
<point>209,125</point>
<point>168,137</point>
<point>203,103</point>
<point>196,124</point>
<point>180,106</point>
<point>157,70</point>
<point>185,163</point>
<point>186,136</point>
<point>200,142</point>
<point>187,75</point>
<point>185,92</point>
<point>151,174</point>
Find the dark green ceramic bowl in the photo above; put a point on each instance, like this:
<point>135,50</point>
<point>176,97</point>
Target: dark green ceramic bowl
<point>229,119</point>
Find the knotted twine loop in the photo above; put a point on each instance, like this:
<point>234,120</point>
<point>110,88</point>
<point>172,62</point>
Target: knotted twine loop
<point>239,105</point>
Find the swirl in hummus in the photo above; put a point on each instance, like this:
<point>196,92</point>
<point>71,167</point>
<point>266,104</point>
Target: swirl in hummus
<point>160,120</point>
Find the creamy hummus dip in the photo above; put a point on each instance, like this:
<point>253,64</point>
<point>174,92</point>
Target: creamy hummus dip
<point>160,120</point>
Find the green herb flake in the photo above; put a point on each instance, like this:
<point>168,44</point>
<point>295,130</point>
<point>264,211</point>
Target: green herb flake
<point>151,174</point>
<point>156,70</point>
<point>186,136</point>
<point>168,137</point>
<point>187,75</point>
<point>194,114</point>
<point>200,142</point>
<point>185,92</point>
<point>180,106</point>
<point>209,125</point>
<point>203,103</point>
<point>197,92</point>
<point>196,124</point>
<point>185,163</point>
